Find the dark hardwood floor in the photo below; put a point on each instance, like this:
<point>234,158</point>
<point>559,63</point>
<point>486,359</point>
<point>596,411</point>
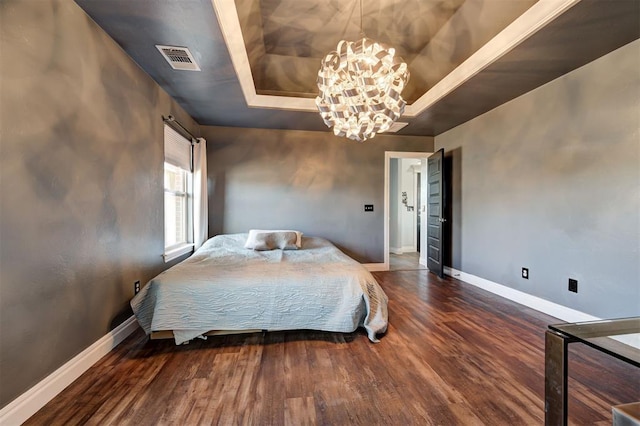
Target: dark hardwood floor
<point>453,354</point>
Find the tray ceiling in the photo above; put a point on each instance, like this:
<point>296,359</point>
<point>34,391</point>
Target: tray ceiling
<point>259,58</point>
<point>285,40</point>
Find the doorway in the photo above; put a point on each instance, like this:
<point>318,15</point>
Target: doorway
<point>405,208</point>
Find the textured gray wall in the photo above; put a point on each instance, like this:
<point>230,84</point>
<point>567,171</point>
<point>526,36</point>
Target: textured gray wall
<point>551,181</point>
<point>81,153</point>
<point>314,182</point>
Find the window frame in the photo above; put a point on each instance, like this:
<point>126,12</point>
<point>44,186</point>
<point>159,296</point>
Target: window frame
<point>183,247</point>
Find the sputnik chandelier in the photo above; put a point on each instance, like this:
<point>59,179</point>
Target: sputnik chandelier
<point>360,88</point>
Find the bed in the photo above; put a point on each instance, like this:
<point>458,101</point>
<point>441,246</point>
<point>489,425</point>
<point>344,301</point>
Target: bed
<point>226,287</point>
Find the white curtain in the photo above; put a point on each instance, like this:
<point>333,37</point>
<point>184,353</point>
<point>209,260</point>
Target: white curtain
<point>200,202</point>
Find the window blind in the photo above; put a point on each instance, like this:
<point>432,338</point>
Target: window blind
<point>177,149</point>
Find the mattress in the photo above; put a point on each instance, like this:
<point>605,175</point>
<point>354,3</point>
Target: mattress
<point>224,286</point>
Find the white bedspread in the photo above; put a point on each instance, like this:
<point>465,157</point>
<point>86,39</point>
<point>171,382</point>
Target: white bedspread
<point>224,286</point>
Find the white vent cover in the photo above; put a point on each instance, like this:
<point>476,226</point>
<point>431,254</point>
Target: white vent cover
<point>178,57</point>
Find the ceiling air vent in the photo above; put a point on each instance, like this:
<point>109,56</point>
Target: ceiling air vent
<point>178,57</point>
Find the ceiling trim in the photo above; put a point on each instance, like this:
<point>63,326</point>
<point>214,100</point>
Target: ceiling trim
<point>231,31</point>
<point>535,18</point>
<point>527,24</point>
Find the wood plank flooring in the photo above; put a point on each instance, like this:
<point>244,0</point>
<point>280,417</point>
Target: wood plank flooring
<point>453,354</point>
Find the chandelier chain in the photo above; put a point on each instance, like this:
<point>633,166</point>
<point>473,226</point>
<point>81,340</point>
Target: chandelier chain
<point>361,21</point>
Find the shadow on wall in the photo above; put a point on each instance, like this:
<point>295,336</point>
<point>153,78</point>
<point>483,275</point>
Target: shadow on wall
<point>121,317</point>
<point>216,187</point>
<point>453,208</point>
<point>352,254</point>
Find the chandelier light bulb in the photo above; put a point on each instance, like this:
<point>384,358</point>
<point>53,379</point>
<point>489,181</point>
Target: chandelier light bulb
<point>360,88</point>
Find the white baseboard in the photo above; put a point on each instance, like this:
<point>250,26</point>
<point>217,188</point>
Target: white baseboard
<point>408,249</point>
<point>550,308</point>
<point>395,250</point>
<point>27,404</point>
<point>423,261</point>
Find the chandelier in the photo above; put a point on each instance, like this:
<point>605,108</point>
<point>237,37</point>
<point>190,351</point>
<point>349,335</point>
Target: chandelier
<point>360,85</point>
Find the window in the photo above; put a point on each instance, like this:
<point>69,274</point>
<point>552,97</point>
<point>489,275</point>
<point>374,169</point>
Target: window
<point>176,206</point>
<point>178,195</point>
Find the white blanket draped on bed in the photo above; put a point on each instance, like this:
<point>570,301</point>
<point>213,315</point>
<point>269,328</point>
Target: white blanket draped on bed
<point>225,286</point>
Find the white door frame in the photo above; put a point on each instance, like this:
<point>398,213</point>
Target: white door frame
<point>416,207</point>
<point>388,155</point>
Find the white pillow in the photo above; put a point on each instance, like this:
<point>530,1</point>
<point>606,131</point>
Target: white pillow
<point>262,239</point>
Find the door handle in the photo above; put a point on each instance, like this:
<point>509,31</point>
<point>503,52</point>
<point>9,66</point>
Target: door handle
<point>442,219</point>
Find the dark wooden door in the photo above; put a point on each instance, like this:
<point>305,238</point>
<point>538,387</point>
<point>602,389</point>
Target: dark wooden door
<point>435,209</point>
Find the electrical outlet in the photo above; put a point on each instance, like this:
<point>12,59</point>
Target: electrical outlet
<point>136,287</point>
<point>368,207</point>
<point>573,285</point>
<point>525,273</point>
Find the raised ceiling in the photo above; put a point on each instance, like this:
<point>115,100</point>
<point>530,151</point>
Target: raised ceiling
<point>285,40</point>
<point>259,58</point>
